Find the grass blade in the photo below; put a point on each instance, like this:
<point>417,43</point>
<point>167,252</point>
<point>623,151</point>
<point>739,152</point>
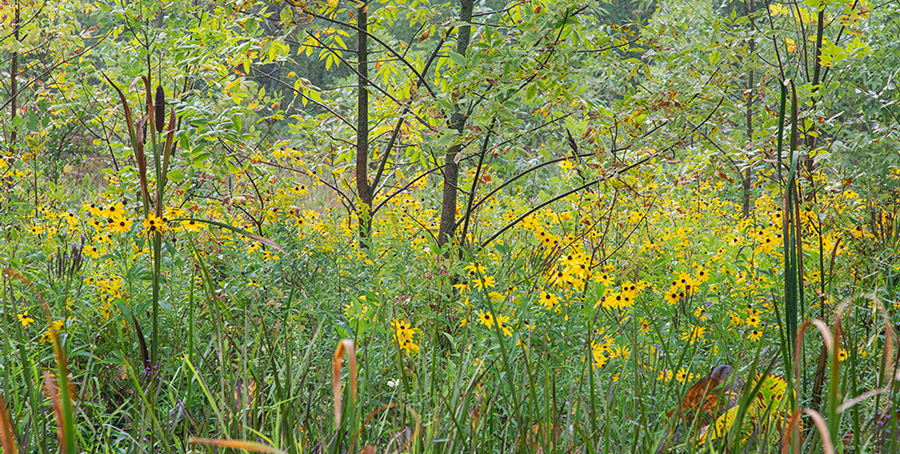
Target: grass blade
<point>7,435</point>
<point>245,445</point>
<point>344,347</point>
<point>234,229</point>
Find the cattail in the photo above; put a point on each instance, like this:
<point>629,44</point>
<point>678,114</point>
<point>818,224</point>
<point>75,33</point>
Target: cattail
<point>160,106</point>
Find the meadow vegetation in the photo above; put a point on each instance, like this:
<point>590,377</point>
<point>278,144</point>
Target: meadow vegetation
<point>410,226</point>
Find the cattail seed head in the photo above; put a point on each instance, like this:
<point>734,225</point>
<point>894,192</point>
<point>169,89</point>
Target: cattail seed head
<point>160,106</point>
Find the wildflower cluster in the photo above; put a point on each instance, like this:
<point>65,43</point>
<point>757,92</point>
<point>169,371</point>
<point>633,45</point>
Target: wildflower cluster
<point>404,334</point>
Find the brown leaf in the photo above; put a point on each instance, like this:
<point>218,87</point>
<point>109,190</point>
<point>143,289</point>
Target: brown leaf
<point>708,396</point>
<point>52,391</point>
<point>244,394</point>
<point>539,434</point>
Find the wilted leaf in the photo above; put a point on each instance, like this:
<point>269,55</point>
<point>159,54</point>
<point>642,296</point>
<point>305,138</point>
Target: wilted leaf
<point>766,408</point>
<point>708,396</point>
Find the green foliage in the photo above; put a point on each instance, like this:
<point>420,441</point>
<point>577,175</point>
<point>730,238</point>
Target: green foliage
<point>634,215</point>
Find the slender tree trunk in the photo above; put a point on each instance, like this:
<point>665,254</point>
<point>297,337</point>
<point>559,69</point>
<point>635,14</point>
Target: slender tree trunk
<point>748,172</point>
<point>363,189</point>
<point>747,177</point>
<point>458,122</point>
<point>810,139</point>
<point>13,83</point>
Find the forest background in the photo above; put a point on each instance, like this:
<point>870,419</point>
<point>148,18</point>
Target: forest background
<point>413,226</point>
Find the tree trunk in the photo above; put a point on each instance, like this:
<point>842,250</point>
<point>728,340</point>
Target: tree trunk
<point>363,189</point>
<point>13,83</point>
<point>748,173</point>
<point>458,122</point>
<point>810,138</point>
<point>747,177</point>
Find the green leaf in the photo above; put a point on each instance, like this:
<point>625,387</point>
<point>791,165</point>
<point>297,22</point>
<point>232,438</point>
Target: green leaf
<point>447,138</point>
<point>458,59</point>
<point>530,92</point>
<point>175,176</point>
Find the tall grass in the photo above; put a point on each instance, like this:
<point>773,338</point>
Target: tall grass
<point>247,366</point>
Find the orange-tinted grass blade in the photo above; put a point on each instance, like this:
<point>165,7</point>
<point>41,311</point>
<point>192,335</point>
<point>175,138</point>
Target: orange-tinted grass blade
<point>794,426</point>
<point>265,241</point>
<point>251,446</point>
<point>344,347</point>
<point>890,342</point>
<point>827,337</point>
<point>15,274</point>
<point>52,391</point>
<point>7,435</point>
<point>64,396</point>
<point>62,403</point>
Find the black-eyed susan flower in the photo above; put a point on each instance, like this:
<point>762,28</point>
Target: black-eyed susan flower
<point>485,318</point>
<point>664,375</point>
<point>190,225</point>
<point>645,325</point>
<point>93,209</point>
<point>502,321</point>
<point>55,327</point>
<point>97,224</point>
<point>549,300</point>
<point>604,278</point>
<point>91,251</point>
<point>672,296</point>
<point>25,319</point>
<point>119,225</point>
<point>693,334</point>
<point>403,336</point>
<point>600,351</point>
<point>153,224</point>
<point>114,210</point>
<point>753,318</point>
<point>701,313</point>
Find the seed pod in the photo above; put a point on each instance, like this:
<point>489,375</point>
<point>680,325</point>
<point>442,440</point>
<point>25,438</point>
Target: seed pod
<point>160,114</point>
